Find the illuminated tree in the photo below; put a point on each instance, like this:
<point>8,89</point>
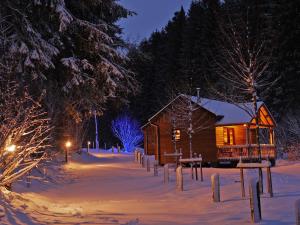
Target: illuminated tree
<point>127,130</point>
<point>24,132</point>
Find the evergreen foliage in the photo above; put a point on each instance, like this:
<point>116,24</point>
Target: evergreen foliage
<point>189,47</point>
<point>68,48</point>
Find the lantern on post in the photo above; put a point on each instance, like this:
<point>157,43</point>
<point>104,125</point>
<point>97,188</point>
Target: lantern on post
<point>67,145</point>
<point>88,146</point>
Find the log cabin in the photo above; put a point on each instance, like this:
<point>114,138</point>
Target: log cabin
<point>231,133</point>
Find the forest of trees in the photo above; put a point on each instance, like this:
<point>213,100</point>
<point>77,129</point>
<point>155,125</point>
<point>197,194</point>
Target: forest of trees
<point>189,50</point>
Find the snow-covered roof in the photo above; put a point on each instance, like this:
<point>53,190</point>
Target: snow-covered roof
<point>228,112</point>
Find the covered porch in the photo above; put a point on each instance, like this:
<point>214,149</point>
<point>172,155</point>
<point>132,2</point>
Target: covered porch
<point>240,140</point>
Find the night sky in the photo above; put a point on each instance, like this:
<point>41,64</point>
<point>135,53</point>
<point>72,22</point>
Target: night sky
<point>152,15</point>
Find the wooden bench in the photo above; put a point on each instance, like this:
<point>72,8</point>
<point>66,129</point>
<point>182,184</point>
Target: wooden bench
<point>194,162</point>
<point>259,166</point>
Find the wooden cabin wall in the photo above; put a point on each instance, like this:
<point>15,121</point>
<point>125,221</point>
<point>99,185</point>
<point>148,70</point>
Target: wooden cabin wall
<point>165,137</point>
<point>150,140</point>
<point>203,141</point>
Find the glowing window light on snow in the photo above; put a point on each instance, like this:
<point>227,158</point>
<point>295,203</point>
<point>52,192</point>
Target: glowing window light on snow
<point>11,148</point>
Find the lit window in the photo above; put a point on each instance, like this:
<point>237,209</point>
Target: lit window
<point>228,135</point>
<point>176,135</point>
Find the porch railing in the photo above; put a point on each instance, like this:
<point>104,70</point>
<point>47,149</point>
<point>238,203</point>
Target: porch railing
<point>234,152</point>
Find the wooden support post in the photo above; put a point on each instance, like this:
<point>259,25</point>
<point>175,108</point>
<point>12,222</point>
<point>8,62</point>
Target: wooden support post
<point>192,170</point>
<point>242,182</point>
<point>260,177</point>
<point>155,168</point>
<point>255,206</point>
<point>148,164</point>
<point>269,182</point>
<point>201,172</point>
<point>66,155</point>
<point>179,179</point>
<point>215,185</point>
<point>166,173</point>
<point>196,171</point>
<point>297,211</point>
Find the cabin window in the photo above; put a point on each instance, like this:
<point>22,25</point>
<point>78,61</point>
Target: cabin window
<point>228,135</point>
<point>176,135</point>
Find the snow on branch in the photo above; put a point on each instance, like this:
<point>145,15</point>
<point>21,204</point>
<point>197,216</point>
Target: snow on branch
<point>24,133</point>
<point>127,130</point>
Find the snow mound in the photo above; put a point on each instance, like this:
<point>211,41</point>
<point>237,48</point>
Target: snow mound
<point>84,157</point>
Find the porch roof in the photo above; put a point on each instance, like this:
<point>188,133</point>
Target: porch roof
<point>228,112</point>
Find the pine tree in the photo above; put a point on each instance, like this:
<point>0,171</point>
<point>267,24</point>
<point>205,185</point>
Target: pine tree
<point>70,49</point>
<point>287,61</point>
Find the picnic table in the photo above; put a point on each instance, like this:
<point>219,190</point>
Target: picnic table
<point>194,162</point>
<point>259,166</point>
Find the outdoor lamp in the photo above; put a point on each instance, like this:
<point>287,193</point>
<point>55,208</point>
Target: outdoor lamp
<point>11,148</point>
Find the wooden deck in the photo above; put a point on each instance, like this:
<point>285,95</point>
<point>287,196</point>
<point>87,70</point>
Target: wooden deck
<point>234,152</point>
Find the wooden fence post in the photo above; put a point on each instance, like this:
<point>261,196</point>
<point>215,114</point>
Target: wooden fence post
<point>148,164</point>
<point>138,157</point>
<point>134,155</point>
<point>155,168</point>
<point>261,185</point>
<point>297,212</point>
<point>166,173</point>
<point>215,184</point>
<point>255,207</point>
<point>143,161</point>
<point>269,182</point>
<point>201,171</point>
<point>179,179</point>
<point>242,182</point>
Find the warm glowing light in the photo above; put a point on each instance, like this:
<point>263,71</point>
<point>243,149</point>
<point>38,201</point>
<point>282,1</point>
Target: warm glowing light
<point>11,148</point>
<point>89,142</point>
<point>68,144</point>
<point>245,125</point>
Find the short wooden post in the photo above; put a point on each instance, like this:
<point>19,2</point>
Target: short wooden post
<point>242,182</point>
<point>260,177</point>
<point>269,182</point>
<point>119,149</point>
<point>179,179</point>
<point>155,168</point>
<point>138,157</point>
<point>166,173</point>
<point>192,170</point>
<point>201,172</point>
<point>215,185</point>
<point>143,161</point>
<point>148,164</point>
<point>255,206</point>
<point>297,211</point>
<point>135,155</point>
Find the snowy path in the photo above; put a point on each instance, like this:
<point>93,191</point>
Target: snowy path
<point>112,189</point>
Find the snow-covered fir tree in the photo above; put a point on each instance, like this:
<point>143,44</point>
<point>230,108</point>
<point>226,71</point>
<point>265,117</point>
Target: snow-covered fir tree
<point>70,49</point>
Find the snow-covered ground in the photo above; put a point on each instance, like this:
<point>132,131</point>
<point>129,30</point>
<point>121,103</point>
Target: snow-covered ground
<point>106,188</point>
